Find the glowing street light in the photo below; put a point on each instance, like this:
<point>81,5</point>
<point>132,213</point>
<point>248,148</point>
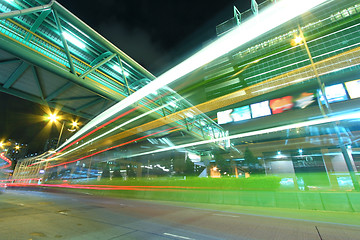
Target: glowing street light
<point>297,40</point>
<point>301,39</point>
<point>54,118</point>
<point>17,147</point>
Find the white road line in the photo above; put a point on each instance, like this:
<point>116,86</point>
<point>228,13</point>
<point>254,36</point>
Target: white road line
<point>225,215</point>
<point>177,236</point>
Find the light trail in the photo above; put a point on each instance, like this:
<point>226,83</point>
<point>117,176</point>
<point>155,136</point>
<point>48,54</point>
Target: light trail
<point>102,135</point>
<point>266,20</point>
<point>107,149</point>
<point>208,106</point>
<point>355,115</point>
<point>2,156</point>
<point>275,17</point>
<point>98,128</point>
<point>109,187</point>
<point>21,179</point>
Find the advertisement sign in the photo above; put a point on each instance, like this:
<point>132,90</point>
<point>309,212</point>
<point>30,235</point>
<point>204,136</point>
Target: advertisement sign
<point>279,105</point>
<point>241,113</point>
<point>353,88</point>
<point>260,109</point>
<point>224,117</point>
<point>304,99</point>
<point>334,93</point>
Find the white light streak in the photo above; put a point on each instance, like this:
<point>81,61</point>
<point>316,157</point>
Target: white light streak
<point>118,69</point>
<point>74,40</point>
<point>355,115</point>
<point>108,132</point>
<point>267,19</point>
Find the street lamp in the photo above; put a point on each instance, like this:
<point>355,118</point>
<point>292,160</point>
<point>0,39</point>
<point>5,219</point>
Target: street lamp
<point>301,39</point>
<point>53,118</point>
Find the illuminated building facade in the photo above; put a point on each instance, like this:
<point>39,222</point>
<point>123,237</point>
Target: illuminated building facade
<point>269,96</point>
<point>283,86</point>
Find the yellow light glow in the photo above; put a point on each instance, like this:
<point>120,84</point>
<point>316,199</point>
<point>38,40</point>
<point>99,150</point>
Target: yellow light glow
<point>353,115</point>
<point>17,147</point>
<point>270,18</point>
<point>214,168</point>
<point>1,144</point>
<point>53,117</point>
<point>74,124</point>
<point>298,40</point>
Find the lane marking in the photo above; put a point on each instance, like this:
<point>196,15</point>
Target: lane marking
<point>225,215</point>
<point>318,232</point>
<point>177,236</point>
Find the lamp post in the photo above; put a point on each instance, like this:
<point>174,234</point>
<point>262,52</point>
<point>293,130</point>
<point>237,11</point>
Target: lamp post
<point>53,118</point>
<point>301,39</point>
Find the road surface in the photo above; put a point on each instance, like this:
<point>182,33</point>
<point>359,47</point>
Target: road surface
<point>59,215</point>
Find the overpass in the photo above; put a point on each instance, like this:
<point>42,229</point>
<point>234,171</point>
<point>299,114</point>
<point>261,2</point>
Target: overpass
<point>272,65</point>
<point>51,57</point>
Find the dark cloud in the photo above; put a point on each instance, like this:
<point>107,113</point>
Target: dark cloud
<point>135,42</point>
<point>154,32</point>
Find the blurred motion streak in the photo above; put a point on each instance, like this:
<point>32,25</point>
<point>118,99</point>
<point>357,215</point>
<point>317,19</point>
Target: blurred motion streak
<point>277,82</point>
<point>2,156</point>
<point>273,17</point>
<point>353,115</point>
<point>107,149</point>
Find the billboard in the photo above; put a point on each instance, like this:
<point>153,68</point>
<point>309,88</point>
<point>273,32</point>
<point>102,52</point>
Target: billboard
<point>241,113</point>
<point>334,93</point>
<point>353,88</point>
<point>279,105</point>
<point>304,100</point>
<point>234,115</point>
<point>260,109</point>
<point>224,116</point>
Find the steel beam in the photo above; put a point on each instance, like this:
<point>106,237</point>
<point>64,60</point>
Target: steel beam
<point>38,100</point>
<point>59,91</point>
<point>31,56</point>
<point>37,80</point>
<point>83,27</point>
<point>98,65</point>
<point>92,103</point>
<point>6,61</point>
<point>27,11</point>
<point>63,40</point>
<point>76,98</point>
<point>37,24</point>
<point>16,75</point>
<point>123,74</point>
<point>105,106</point>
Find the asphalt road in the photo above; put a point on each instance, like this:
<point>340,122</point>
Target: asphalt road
<point>48,215</point>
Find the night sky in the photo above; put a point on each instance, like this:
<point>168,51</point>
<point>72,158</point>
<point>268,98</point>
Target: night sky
<point>155,33</point>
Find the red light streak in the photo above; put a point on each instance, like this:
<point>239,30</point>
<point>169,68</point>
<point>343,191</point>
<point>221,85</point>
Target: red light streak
<point>104,187</point>
<point>2,156</point>
<point>98,128</point>
<point>86,135</point>
<point>20,179</point>
<point>107,123</point>
<point>107,149</point>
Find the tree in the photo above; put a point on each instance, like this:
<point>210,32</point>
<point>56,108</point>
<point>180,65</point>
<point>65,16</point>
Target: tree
<point>189,168</point>
<point>130,172</point>
<point>106,171</point>
<point>222,163</point>
<point>253,162</point>
<point>250,159</point>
